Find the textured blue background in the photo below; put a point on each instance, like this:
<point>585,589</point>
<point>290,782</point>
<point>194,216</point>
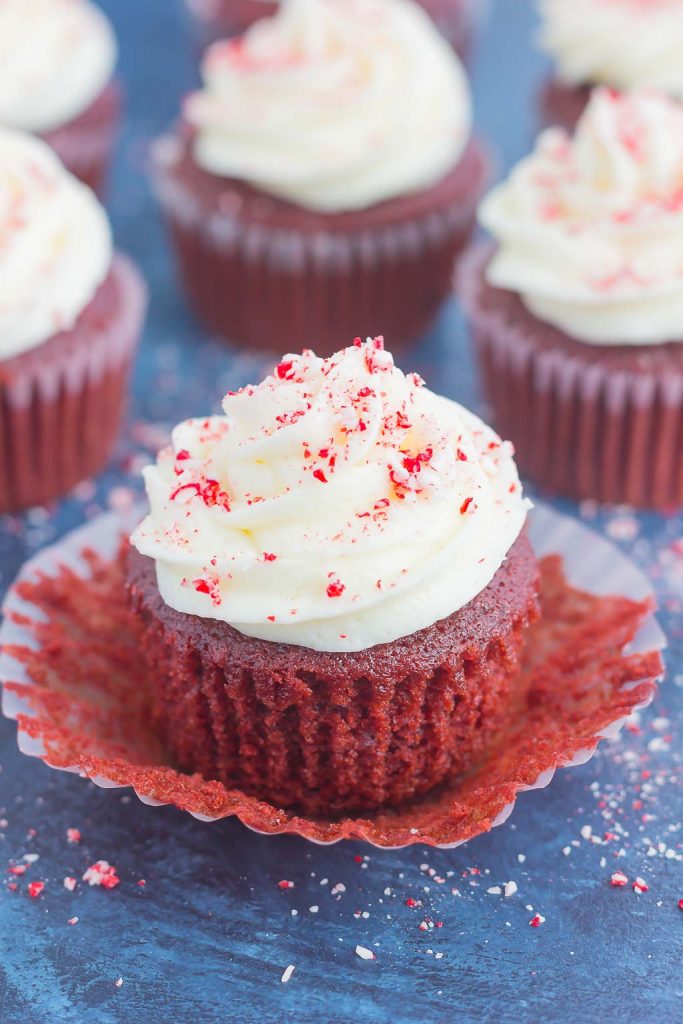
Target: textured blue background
<point>208,937</point>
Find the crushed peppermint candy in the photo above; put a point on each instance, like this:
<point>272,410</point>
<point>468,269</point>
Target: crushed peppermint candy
<point>365,954</point>
<point>101,873</point>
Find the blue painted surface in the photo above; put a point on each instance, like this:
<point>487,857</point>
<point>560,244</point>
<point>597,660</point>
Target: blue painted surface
<point>208,937</point>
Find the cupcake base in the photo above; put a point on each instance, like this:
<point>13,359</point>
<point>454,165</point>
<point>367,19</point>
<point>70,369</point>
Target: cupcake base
<point>561,105</point>
<point>265,273</point>
<point>89,714</point>
<point>86,145</point>
<point>61,403</point>
<point>587,421</point>
<point>327,733</point>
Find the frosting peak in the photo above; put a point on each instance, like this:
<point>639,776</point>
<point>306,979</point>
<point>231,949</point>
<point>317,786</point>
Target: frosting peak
<point>55,244</point>
<point>591,228</point>
<point>56,56</point>
<point>337,505</point>
<point>624,43</point>
<point>334,104</point>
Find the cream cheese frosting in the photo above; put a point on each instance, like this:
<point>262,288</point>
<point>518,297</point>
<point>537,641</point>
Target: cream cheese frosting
<point>55,244</point>
<point>333,104</point>
<point>337,505</point>
<point>590,228</point>
<point>624,43</point>
<point>56,57</point>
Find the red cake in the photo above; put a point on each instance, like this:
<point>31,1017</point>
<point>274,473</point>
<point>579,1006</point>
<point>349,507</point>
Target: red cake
<point>297,222</point>
<point>86,145</point>
<point>57,63</point>
<point>586,422</point>
<point>326,732</point>
<point>576,312</point>
<point>68,328</point>
<point>333,628</point>
<point>61,404</point>
<point>387,267</point>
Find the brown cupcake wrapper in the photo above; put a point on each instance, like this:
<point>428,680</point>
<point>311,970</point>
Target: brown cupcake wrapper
<point>300,732</point>
<point>280,289</point>
<point>581,427</point>
<point>60,410</point>
<point>86,145</point>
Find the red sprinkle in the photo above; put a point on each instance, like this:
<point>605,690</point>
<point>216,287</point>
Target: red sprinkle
<point>268,557</point>
<point>319,475</point>
<point>285,370</point>
<point>35,889</point>
<point>335,588</point>
<point>465,505</point>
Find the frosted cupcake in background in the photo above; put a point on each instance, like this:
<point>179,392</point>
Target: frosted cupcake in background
<point>219,19</point>
<point>57,61</point>
<point>625,44</point>
<point>325,178</point>
<point>71,311</point>
<point>577,310</point>
<point>333,586</point>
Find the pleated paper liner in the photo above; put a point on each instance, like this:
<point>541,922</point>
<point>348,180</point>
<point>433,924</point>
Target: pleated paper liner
<point>587,421</point>
<point>265,273</point>
<point>86,145</point>
<point>73,681</point>
<point>61,403</point>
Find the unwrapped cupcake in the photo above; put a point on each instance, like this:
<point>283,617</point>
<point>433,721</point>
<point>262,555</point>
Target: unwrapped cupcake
<point>333,586</point>
<point>325,178</point>
<point>218,19</point>
<point>625,44</point>
<point>577,310</point>
<point>57,61</point>
<point>71,311</point>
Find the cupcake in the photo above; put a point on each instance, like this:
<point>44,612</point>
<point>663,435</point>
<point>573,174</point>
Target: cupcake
<point>625,44</point>
<point>577,309</point>
<point>219,19</point>
<point>71,311</point>
<point>333,586</point>
<point>57,60</point>
<point>325,177</point>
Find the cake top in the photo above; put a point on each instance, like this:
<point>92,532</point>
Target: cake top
<point>55,244</point>
<point>624,43</point>
<point>333,104</point>
<point>56,57</point>
<point>590,228</point>
<point>337,505</point>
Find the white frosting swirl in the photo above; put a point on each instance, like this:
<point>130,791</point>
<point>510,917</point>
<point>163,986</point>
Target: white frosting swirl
<point>624,43</point>
<point>56,56</point>
<point>337,505</point>
<point>55,244</point>
<point>334,104</point>
<point>591,229</point>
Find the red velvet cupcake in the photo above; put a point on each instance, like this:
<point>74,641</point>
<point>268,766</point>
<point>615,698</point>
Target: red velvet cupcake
<point>578,312</point>
<point>57,60</point>
<point>220,19</point>
<point>296,219</point>
<point>70,317</point>
<point>625,44</point>
<point>333,586</point>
